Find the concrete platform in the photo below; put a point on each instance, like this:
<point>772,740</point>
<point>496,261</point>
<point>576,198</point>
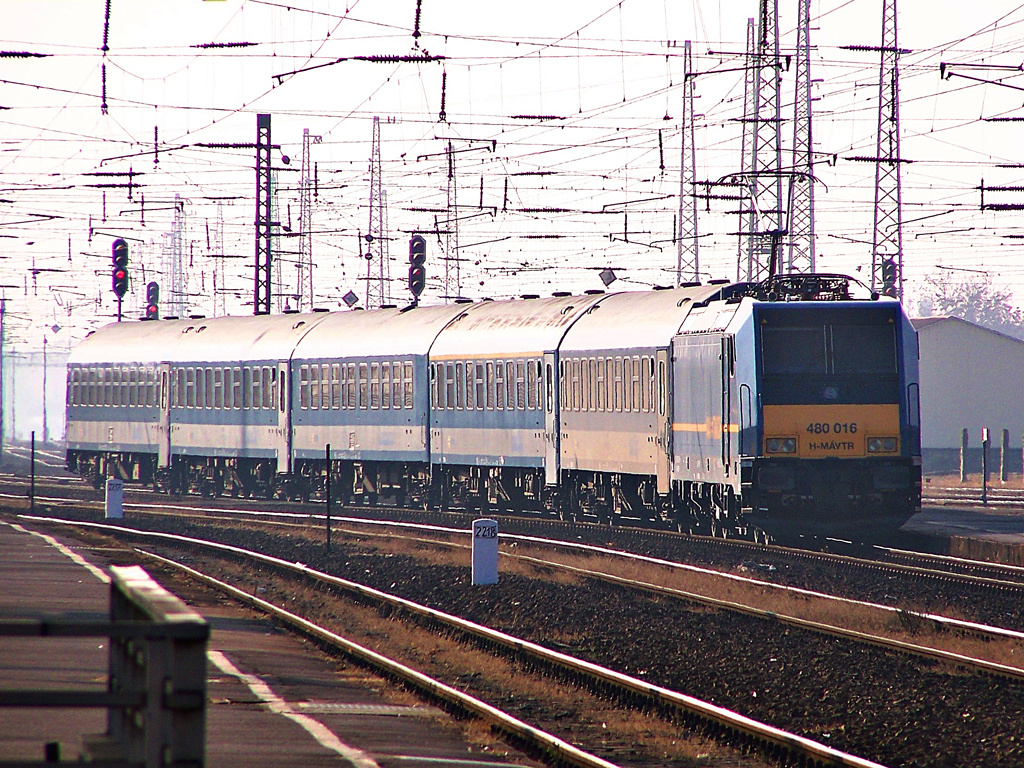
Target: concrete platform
<point>273,699</point>
<point>985,523</point>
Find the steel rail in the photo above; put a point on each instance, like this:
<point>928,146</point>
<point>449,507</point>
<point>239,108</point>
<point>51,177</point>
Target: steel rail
<point>561,752</point>
<point>746,728</point>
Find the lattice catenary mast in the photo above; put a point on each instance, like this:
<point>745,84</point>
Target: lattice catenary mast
<point>766,183</point>
<point>887,243</point>
<point>687,263</point>
<point>801,257</point>
<point>378,273</point>
<point>304,290</point>
<point>173,256</point>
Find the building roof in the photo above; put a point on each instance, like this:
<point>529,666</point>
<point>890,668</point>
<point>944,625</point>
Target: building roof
<point>922,323</point>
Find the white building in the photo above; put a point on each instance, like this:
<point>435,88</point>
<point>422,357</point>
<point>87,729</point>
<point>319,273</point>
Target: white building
<point>971,377</point>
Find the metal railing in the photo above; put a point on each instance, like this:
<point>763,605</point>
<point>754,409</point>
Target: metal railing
<point>156,684</point>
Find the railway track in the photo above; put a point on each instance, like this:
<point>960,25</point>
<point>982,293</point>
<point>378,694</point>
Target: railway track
<point>926,567</point>
<point>729,726</point>
<point>296,527</point>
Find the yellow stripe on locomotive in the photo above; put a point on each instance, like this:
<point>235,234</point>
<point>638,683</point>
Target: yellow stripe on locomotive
<point>827,431</point>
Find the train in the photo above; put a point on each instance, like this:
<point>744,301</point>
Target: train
<point>778,409</point>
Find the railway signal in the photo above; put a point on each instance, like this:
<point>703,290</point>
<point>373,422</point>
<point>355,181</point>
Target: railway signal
<point>120,271</point>
<point>889,277</point>
<point>119,275</point>
<point>417,270</point>
<point>153,301</point>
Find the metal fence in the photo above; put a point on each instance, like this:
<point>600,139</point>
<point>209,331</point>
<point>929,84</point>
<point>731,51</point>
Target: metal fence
<point>156,685</point>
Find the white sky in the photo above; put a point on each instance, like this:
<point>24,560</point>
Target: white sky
<point>604,67</point>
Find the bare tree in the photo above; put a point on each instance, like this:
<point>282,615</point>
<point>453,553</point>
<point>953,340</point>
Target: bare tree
<point>973,297</point>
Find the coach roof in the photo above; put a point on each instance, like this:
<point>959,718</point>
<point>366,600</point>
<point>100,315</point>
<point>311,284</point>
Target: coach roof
<point>509,328</point>
<point>635,320</point>
<point>206,340</point>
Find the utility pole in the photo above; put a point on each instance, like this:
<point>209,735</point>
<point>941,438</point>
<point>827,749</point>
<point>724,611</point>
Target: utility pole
<point>3,400</point>
<point>46,434</point>
<point>687,263</point>
<point>801,257</point>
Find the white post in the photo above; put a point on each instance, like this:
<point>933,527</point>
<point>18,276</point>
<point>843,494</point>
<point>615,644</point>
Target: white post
<point>114,500</point>
<point>485,551</point>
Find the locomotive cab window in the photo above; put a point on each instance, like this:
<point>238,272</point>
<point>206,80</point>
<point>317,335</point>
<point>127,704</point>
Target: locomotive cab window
<point>831,356</point>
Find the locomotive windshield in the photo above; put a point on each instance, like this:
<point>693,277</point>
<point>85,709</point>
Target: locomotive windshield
<point>833,355</point>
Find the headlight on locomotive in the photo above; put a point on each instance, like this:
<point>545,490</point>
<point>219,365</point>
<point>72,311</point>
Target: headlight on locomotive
<point>780,445</point>
<point>882,444</point>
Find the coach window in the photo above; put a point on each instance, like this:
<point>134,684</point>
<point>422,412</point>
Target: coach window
<point>257,387</point>
<point>599,384</point>
<point>531,385</point>
<point>375,386</point>
<point>325,386</point>
<point>131,375</point>
<point>269,389</point>
<point>364,386</point>
<point>661,387</point>
<point>304,387</point>
<point>218,387</point>
<point>228,394</point>
<point>448,385</point>
<point>470,386</point>
<point>521,384</point>
<point>618,384</point>
<point>210,390</point>
<point>407,382</point>
<point>177,387</point>
<point>480,384</point>
<point>460,386</point>
<point>647,390</point>
<point>510,385</point>
<point>150,391</point>
<point>335,386</point>
<point>190,387</point>
<point>594,380</point>
<point>499,385</point>
<point>314,387</point>
<point>350,385</point>
<point>577,385</point>
<point>342,386</point>
<point>200,388</point>
<point>396,384</point>
<point>385,386</point>
<point>634,384</point>
<point>434,386</point>
<point>236,388</point>
<point>247,387</point>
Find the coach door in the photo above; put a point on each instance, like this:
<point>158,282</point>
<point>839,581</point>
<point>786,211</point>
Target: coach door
<point>551,427</point>
<point>664,411</point>
<point>283,433</point>
<point>164,429</point>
